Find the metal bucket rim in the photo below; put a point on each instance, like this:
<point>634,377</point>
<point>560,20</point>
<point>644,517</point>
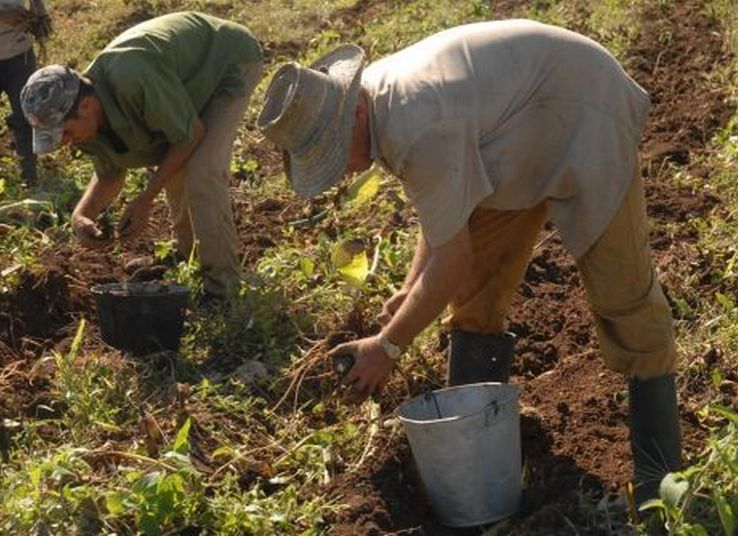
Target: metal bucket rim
<point>455,418</point>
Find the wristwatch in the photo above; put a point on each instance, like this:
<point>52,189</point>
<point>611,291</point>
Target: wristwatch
<point>391,349</point>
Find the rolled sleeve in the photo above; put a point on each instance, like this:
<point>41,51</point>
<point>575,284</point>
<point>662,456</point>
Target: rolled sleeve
<point>445,179</point>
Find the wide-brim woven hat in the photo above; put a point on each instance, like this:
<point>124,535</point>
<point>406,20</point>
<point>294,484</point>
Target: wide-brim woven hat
<point>309,113</point>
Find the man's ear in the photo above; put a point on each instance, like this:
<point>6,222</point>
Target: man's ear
<point>84,105</point>
<point>87,103</point>
<point>90,107</point>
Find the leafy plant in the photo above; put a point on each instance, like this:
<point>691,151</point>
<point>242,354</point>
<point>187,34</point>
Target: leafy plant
<point>47,491</point>
<point>349,260</point>
<point>89,392</point>
<point>703,499</point>
<point>163,497</point>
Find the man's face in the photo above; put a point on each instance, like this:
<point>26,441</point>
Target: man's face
<point>82,127</point>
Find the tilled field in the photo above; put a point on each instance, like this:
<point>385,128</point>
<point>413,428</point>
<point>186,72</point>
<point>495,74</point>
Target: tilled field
<point>575,435</point>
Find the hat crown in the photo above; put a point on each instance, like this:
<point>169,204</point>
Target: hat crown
<point>49,95</point>
<point>309,113</point>
<point>295,111</point>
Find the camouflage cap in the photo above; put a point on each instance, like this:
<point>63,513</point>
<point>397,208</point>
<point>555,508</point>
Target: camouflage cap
<point>46,99</point>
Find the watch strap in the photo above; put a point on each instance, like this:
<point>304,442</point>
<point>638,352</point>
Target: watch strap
<point>391,349</point>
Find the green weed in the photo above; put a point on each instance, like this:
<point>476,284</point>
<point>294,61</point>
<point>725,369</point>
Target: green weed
<point>46,491</point>
<point>703,500</point>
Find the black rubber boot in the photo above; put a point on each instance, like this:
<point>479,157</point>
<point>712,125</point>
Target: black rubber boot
<point>479,357</point>
<point>29,172</point>
<point>655,438</point>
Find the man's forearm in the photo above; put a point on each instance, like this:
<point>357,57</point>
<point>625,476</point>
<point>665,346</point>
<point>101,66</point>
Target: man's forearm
<point>99,193</point>
<point>420,258</point>
<point>175,158</point>
<point>432,289</point>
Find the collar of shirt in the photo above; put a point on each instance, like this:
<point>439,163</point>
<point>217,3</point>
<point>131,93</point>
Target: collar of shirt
<point>115,119</point>
<point>374,151</point>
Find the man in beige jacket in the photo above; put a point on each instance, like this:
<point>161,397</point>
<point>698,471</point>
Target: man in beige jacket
<point>495,128</point>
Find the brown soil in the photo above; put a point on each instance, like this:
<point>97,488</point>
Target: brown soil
<point>575,436</point>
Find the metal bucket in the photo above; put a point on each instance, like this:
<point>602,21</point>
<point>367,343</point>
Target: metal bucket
<point>139,317</point>
<point>466,444</point>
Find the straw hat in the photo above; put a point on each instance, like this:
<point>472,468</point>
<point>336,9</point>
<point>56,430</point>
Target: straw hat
<point>309,113</point>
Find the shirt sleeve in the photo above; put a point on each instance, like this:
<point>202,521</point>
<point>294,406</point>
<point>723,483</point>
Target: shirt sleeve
<point>155,93</point>
<point>444,178</point>
<point>105,169</point>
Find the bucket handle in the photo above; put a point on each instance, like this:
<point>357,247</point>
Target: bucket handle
<point>431,395</point>
<point>491,410</point>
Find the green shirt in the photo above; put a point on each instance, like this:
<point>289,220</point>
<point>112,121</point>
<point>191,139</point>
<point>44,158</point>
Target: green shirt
<point>155,79</point>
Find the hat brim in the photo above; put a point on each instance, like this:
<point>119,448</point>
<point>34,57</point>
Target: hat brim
<point>47,139</point>
<point>323,163</point>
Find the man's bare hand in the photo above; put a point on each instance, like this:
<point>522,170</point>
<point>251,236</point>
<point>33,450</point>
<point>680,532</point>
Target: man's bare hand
<point>370,372</point>
<point>134,219</point>
<point>391,306</point>
<point>88,233</point>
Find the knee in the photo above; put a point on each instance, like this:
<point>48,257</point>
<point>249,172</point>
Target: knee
<point>610,300</point>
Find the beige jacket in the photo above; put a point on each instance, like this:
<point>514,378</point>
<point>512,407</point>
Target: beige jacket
<point>504,115</point>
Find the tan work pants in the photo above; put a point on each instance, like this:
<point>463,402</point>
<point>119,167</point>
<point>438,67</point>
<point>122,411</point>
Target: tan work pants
<point>199,202</point>
<point>631,314</point>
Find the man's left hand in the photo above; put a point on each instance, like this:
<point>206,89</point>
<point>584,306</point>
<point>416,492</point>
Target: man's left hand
<point>391,306</point>
<point>370,371</point>
<point>135,217</point>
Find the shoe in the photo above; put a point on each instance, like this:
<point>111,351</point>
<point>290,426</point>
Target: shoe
<point>29,173</point>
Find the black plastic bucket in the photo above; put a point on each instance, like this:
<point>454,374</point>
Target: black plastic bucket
<point>141,318</point>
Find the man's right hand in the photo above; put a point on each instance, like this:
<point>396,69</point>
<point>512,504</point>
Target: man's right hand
<point>370,369</point>
<point>89,233</point>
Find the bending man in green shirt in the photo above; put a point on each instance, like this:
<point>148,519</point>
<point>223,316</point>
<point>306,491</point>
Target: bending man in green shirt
<point>169,92</point>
